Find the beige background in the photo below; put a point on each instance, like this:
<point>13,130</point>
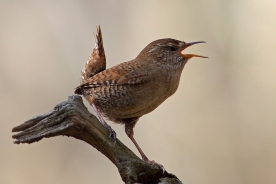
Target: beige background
<point>219,127</point>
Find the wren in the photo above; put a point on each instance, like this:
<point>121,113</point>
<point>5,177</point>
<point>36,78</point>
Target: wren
<point>129,90</point>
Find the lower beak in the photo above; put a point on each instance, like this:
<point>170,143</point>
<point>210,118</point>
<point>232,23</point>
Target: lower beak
<point>188,56</point>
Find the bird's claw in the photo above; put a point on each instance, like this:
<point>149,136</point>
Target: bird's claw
<point>152,162</point>
<point>111,134</point>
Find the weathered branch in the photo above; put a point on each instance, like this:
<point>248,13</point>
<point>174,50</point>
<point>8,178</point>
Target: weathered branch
<point>71,118</point>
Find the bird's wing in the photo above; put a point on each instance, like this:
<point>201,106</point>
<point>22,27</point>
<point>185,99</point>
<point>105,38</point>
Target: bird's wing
<point>118,75</point>
<point>133,77</point>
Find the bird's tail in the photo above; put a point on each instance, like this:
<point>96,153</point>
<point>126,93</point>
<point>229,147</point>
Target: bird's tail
<point>97,61</point>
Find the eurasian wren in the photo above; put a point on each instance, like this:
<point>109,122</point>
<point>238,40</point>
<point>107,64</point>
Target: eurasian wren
<point>129,90</point>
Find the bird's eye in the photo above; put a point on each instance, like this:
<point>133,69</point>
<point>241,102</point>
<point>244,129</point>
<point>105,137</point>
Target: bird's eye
<point>172,48</point>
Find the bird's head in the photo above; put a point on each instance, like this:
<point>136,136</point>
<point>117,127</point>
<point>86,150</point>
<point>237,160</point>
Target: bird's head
<point>168,52</point>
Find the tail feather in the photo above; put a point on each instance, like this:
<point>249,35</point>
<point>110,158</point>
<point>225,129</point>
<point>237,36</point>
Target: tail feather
<point>97,61</point>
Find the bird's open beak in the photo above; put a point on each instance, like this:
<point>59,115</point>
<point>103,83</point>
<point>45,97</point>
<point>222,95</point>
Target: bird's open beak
<point>188,56</point>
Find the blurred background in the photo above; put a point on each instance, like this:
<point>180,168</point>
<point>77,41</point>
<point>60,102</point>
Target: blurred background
<point>219,127</point>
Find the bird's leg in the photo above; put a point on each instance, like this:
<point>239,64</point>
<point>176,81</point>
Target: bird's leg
<point>112,133</point>
<point>129,131</point>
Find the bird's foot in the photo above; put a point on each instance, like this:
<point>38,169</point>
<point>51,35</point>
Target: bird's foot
<point>152,162</point>
<point>159,165</point>
<point>111,133</point>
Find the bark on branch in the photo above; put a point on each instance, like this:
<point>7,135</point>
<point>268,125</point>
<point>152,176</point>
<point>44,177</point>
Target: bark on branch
<point>71,118</point>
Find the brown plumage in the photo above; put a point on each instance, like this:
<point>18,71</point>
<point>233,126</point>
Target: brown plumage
<point>132,89</point>
<point>96,62</point>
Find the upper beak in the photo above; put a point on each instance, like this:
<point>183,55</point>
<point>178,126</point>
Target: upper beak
<point>188,56</point>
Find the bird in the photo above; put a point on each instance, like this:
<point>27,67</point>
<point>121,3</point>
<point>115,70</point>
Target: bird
<point>132,89</point>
